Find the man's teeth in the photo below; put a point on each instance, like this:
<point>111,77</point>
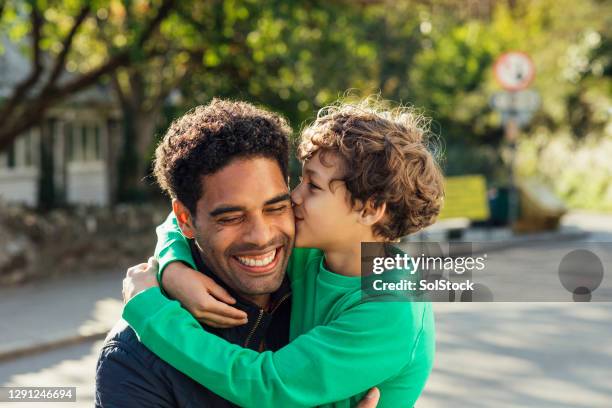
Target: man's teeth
<point>258,260</point>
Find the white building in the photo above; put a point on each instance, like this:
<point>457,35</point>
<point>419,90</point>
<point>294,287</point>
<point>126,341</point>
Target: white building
<point>71,157</point>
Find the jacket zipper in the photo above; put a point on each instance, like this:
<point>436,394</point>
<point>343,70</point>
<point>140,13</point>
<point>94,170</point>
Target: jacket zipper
<point>261,312</point>
<point>280,302</point>
<point>248,339</point>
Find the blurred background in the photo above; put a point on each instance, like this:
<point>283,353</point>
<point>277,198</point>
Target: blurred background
<point>87,89</point>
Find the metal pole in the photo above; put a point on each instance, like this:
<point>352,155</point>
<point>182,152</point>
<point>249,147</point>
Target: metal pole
<point>511,133</point>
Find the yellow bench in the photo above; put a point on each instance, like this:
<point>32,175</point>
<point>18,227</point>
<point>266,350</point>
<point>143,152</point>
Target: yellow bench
<point>465,197</point>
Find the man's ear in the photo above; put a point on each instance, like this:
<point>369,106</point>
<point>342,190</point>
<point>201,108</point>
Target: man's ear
<point>185,221</point>
<point>370,214</point>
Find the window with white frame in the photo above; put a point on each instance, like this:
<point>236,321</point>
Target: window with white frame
<point>84,141</point>
<point>22,153</point>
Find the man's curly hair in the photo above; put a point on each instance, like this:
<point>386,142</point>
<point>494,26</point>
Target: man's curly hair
<point>385,158</point>
<point>209,137</point>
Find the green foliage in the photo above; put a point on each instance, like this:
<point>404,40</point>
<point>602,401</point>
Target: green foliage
<point>579,170</point>
<point>295,57</point>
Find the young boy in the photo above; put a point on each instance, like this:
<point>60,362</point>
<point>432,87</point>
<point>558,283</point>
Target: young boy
<point>368,176</point>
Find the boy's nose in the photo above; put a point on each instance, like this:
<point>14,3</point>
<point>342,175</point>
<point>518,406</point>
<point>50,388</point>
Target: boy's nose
<point>296,198</point>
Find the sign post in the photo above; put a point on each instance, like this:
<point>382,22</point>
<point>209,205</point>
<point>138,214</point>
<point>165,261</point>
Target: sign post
<point>514,72</point>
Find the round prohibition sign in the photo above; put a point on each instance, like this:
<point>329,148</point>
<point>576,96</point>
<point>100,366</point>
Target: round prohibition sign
<point>514,70</point>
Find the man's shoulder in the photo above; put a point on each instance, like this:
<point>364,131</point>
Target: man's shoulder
<point>126,371</point>
<point>129,374</point>
<point>122,341</point>
<point>121,335</point>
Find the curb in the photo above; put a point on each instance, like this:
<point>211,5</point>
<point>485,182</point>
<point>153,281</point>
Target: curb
<point>570,234</point>
<point>43,346</point>
<point>486,244</point>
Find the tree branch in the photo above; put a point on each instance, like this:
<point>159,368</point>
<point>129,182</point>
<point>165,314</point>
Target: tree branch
<point>120,59</point>
<point>33,112</point>
<point>162,13</point>
<point>36,20</point>
<point>117,86</point>
<point>137,89</point>
<point>190,19</point>
<point>91,77</point>
<point>66,45</point>
<point>26,120</point>
<point>194,61</point>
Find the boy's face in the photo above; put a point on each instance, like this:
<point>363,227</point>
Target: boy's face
<point>244,225</point>
<point>324,217</point>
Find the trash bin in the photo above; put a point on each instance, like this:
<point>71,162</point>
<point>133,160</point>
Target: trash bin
<point>499,204</point>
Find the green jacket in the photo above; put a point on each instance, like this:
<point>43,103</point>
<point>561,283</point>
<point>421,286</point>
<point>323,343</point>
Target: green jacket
<point>340,345</point>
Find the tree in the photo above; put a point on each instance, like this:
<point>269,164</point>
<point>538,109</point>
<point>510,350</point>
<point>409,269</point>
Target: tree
<point>293,57</point>
<point>143,87</point>
<point>53,28</point>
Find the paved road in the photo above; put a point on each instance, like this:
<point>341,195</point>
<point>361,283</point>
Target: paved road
<point>59,309</point>
<point>494,355</point>
<point>525,354</point>
<point>71,366</point>
<point>522,355</point>
<point>488,355</point>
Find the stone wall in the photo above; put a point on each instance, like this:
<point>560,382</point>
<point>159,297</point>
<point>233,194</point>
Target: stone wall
<point>75,240</point>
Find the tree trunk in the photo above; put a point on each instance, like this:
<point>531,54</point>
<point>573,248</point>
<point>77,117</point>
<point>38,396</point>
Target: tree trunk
<point>139,131</point>
<point>46,185</point>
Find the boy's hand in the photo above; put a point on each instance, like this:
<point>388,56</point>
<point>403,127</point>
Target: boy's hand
<point>139,278</point>
<point>205,300</point>
<point>371,399</point>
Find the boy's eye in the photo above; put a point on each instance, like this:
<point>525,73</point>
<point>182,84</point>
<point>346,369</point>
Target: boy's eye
<point>313,186</point>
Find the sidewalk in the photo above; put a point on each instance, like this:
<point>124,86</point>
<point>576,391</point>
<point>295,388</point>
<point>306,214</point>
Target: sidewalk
<point>494,239</point>
<point>45,315</point>
<point>570,229</point>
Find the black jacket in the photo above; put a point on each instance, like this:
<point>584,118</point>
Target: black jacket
<point>129,375</point>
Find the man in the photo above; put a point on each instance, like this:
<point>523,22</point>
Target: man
<point>225,166</point>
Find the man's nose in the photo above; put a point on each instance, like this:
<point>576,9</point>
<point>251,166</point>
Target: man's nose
<point>259,232</point>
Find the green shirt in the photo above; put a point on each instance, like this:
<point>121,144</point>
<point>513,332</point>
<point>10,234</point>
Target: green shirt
<point>340,345</point>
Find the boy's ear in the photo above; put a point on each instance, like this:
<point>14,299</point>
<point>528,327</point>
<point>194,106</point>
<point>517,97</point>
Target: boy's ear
<point>183,216</point>
<point>370,214</point>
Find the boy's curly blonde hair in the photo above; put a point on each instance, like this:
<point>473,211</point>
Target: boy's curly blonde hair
<point>385,159</point>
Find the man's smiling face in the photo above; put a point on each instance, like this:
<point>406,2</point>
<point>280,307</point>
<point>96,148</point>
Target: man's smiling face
<point>244,225</point>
